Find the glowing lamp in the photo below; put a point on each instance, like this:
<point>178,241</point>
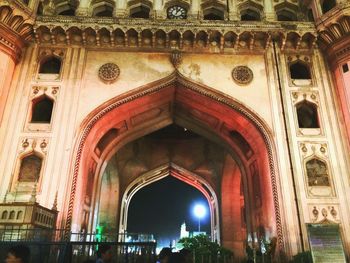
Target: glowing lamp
<point>199,211</point>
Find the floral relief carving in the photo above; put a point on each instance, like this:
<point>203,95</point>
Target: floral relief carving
<point>242,75</point>
<point>109,72</point>
<point>324,213</point>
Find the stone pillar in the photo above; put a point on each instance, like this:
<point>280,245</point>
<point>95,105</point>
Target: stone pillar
<point>233,13</point>
<point>7,66</point>
<point>195,11</point>
<point>83,8</point>
<point>121,9</point>
<point>341,73</point>
<point>316,9</point>
<point>158,10</point>
<point>270,14</point>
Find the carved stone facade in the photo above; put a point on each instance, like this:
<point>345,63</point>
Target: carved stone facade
<point>255,95</point>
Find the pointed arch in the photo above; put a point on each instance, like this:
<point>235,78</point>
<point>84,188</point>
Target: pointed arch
<point>184,176</point>
<point>181,94</point>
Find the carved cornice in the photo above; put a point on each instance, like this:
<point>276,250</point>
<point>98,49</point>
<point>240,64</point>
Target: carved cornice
<point>334,32</point>
<point>191,35</point>
<point>15,29</point>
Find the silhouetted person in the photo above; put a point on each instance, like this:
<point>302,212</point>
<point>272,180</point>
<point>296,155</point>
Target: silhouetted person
<point>104,254</point>
<point>18,254</point>
<point>164,255</point>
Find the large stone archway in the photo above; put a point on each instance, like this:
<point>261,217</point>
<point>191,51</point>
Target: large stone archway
<point>199,108</point>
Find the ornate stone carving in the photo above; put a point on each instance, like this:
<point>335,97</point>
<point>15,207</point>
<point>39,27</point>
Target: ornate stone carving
<point>324,213</point>
<point>109,73</point>
<point>242,75</point>
<point>15,29</point>
<point>176,58</point>
<point>129,34</point>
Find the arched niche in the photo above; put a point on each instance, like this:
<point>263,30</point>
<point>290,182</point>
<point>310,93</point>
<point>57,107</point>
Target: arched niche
<point>307,114</point>
<point>30,168</point>
<point>50,65</point>
<point>42,108</point>
<point>299,70</point>
<point>202,110</point>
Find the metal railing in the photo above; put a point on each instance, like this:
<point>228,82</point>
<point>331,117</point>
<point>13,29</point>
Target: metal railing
<point>78,252</point>
<point>52,246</point>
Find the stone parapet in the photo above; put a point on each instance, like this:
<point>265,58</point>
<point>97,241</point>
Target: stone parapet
<point>165,35</point>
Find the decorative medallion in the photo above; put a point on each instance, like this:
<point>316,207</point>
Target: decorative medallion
<point>109,72</point>
<point>242,75</point>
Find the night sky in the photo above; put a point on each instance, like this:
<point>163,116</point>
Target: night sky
<point>161,207</point>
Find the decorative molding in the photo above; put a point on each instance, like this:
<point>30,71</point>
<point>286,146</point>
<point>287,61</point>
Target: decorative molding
<point>167,35</point>
<point>334,31</point>
<point>242,75</point>
<point>15,30</point>
<point>109,73</point>
<point>324,213</point>
<point>176,58</point>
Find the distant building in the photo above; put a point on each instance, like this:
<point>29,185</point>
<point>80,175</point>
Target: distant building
<point>185,233</point>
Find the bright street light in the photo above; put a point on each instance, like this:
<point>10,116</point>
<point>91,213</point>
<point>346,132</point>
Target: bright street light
<point>199,212</point>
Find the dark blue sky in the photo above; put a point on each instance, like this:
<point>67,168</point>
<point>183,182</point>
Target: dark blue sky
<point>161,207</point>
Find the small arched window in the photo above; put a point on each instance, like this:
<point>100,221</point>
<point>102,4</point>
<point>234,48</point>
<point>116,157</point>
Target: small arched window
<point>30,168</point>
<point>103,11</point>
<point>68,12</point>
<point>299,70</point>
<point>19,215</point>
<point>250,15</point>
<point>307,115</point>
<point>51,65</point>
<point>140,12</point>
<point>42,110</point>
<point>12,215</point>
<point>213,14</point>
<point>4,215</point>
<point>327,5</point>
<point>286,15</point>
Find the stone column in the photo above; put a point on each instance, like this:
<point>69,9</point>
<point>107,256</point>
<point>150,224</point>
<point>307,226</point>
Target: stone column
<point>341,73</point>
<point>316,9</point>
<point>195,11</point>
<point>158,10</point>
<point>83,8</point>
<point>7,66</point>
<point>232,9</point>
<point>269,11</point>
<point>121,9</point>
